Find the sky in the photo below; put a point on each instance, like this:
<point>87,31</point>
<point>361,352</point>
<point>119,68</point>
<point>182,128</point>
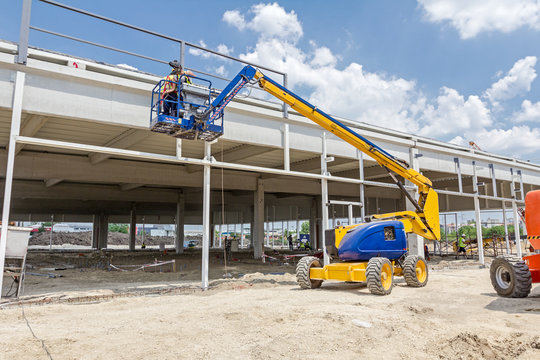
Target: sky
<point>451,70</point>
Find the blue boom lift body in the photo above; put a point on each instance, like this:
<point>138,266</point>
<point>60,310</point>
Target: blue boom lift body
<point>371,252</point>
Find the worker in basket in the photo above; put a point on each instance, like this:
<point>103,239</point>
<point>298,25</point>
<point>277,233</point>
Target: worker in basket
<point>169,88</point>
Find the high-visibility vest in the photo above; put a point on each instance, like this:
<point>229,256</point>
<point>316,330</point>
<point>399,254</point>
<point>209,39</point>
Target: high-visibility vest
<point>461,243</point>
<point>169,84</point>
<point>172,81</point>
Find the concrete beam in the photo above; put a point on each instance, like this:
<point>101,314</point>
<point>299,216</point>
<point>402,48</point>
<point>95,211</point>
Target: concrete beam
<point>124,140</point>
<point>52,182</point>
<point>127,187</point>
<point>30,127</point>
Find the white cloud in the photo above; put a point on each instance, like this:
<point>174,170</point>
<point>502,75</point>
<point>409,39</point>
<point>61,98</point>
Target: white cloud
<point>453,114</point>
<point>234,18</point>
<point>529,112</point>
<point>516,141</point>
<point>221,48</point>
<point>471,17</point>
<point>518,81</point>
<point>355,93</point>
<point>269,20</point>
<point>221,71</point>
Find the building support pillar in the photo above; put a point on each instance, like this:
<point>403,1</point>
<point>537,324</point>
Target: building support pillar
<point>415,242</point>
<point>206,216</point>
<point>103,231</point>
<point>516,228</point>
<point>258,234</point>
<point>324,200</point>
<point>14,132</point>
<point>180,215</point>
<point>479,239</point>
<point>132,228</point>
<point>95,231</point>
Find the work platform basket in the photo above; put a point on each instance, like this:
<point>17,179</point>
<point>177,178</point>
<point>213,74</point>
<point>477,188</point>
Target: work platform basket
<point>186,113</point>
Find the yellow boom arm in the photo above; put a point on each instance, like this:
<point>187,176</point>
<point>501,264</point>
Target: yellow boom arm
<point>425,220</point>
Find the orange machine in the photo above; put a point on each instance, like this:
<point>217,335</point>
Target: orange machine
<point>511,276</point>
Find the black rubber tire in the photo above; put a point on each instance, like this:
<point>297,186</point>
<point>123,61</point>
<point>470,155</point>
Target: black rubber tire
<point>409,271</point>
<point>374,273</point>
<point>302,272</point>
<point>510,277</point>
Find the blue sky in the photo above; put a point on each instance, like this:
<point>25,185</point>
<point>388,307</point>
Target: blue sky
<point>452,70</point>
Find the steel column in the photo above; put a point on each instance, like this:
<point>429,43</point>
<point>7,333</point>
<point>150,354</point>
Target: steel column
<point>286,148</point>
<point>505,222</point>
<point>521,189</point>
<point>360,156</point>
<point>22,52</point>
<point>493,179</point>
<point>324,202</point>
<point>258,238</point>
<point>516,229</point>
<point>206,215</point>
<point>458,170</point>
<point>14,132</point>
<point>479,239</point>
<point>178,148</point>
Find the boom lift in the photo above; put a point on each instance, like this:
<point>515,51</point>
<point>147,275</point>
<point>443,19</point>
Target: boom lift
<point>371,252</point>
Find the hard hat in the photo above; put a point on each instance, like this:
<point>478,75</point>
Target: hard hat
<point>175,64</point>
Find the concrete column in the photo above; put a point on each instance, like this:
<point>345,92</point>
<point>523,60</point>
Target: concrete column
<point>95,231</point>
<point>258,205</point>
<point>297,224</point>
<point>267,226</point>
<point>178,148</point>
<point>180,215</point>
<point>103,231</point>
<point>14,132</point>
<point>252,228</point>
<point>132,229</point>
<point>415,242</point>
<point>242,229</point>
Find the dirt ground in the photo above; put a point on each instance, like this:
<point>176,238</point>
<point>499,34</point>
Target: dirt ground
<point>93,313</point>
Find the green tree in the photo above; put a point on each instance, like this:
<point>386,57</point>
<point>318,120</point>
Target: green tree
<point>304,229</point>
<point>121,228</point>
<point>498,231</point>
<point>468,230</point>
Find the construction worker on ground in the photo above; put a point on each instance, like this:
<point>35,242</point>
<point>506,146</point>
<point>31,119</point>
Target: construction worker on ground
<point>461,246</point>
<point>169,88</point>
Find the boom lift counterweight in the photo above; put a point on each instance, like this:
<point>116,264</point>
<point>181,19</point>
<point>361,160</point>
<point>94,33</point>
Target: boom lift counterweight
<point>371,252</point>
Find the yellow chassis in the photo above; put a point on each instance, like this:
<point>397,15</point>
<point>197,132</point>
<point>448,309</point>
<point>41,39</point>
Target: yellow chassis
<point>346,272</point>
